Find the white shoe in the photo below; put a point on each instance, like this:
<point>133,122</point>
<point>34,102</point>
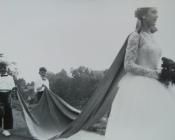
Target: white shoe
<point>6,133</point>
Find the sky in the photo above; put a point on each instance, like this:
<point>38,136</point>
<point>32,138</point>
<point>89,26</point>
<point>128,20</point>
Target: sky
<point>67,34</point>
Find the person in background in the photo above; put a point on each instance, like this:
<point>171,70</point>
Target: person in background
<point>7,86</point>
<point>41,83</point>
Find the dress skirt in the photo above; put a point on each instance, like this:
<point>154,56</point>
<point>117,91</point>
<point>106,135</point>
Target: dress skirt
<point>143,109</point>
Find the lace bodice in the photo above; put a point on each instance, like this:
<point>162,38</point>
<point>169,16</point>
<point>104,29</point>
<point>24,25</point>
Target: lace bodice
<point>142,55</point>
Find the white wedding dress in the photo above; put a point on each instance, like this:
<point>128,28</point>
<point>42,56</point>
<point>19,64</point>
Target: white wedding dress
<point>143,109</point>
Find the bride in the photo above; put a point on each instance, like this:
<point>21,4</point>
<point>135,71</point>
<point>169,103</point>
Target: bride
<point>143,109</point>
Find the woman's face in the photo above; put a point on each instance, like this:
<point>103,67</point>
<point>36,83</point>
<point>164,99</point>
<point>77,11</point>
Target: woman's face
<point>43,73</point>
<point>3,70</point>
<point>151,17</point>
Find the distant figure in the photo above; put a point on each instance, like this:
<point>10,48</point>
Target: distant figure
<point>7,86</point>
<point>41,83</point>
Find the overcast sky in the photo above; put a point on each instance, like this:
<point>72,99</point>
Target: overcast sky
<point>68,33</point>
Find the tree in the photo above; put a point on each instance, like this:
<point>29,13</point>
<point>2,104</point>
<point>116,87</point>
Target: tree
<point>21,82</point>
<point>77,88</point>
<point>84,83</point>
<point>60,83</point>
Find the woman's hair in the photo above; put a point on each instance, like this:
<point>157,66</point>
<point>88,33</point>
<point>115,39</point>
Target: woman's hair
<point>139,14</point>
<point>3,64</point>
<point>43,69</point>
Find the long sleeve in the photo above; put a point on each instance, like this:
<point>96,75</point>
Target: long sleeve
<point>131,57</point>
<point>38,84</point>
<point>12,83</point>
<point>46,83</point>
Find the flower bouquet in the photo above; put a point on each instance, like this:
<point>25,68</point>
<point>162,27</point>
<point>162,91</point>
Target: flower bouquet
<point>167,74</point>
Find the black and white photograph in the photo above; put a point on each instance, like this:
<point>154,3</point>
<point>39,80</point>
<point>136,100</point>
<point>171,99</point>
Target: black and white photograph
<point>87,70</point>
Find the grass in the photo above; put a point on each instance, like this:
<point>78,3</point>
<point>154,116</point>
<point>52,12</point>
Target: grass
<point>21,132</point>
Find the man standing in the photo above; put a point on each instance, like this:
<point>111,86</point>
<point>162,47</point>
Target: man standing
<point>7,86</point>
<point>41,83</point>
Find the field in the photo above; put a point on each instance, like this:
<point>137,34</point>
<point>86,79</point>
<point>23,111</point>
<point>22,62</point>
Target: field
<point>20,131</point>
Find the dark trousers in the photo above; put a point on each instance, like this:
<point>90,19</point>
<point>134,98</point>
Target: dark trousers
<point>39,95</point>
<point>6,117</point>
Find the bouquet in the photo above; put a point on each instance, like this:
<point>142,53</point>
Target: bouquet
<point>167,74</point>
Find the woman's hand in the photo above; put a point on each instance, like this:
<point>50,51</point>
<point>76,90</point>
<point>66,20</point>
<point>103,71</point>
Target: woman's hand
<point>43,85</point>
<point>156,74</point>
